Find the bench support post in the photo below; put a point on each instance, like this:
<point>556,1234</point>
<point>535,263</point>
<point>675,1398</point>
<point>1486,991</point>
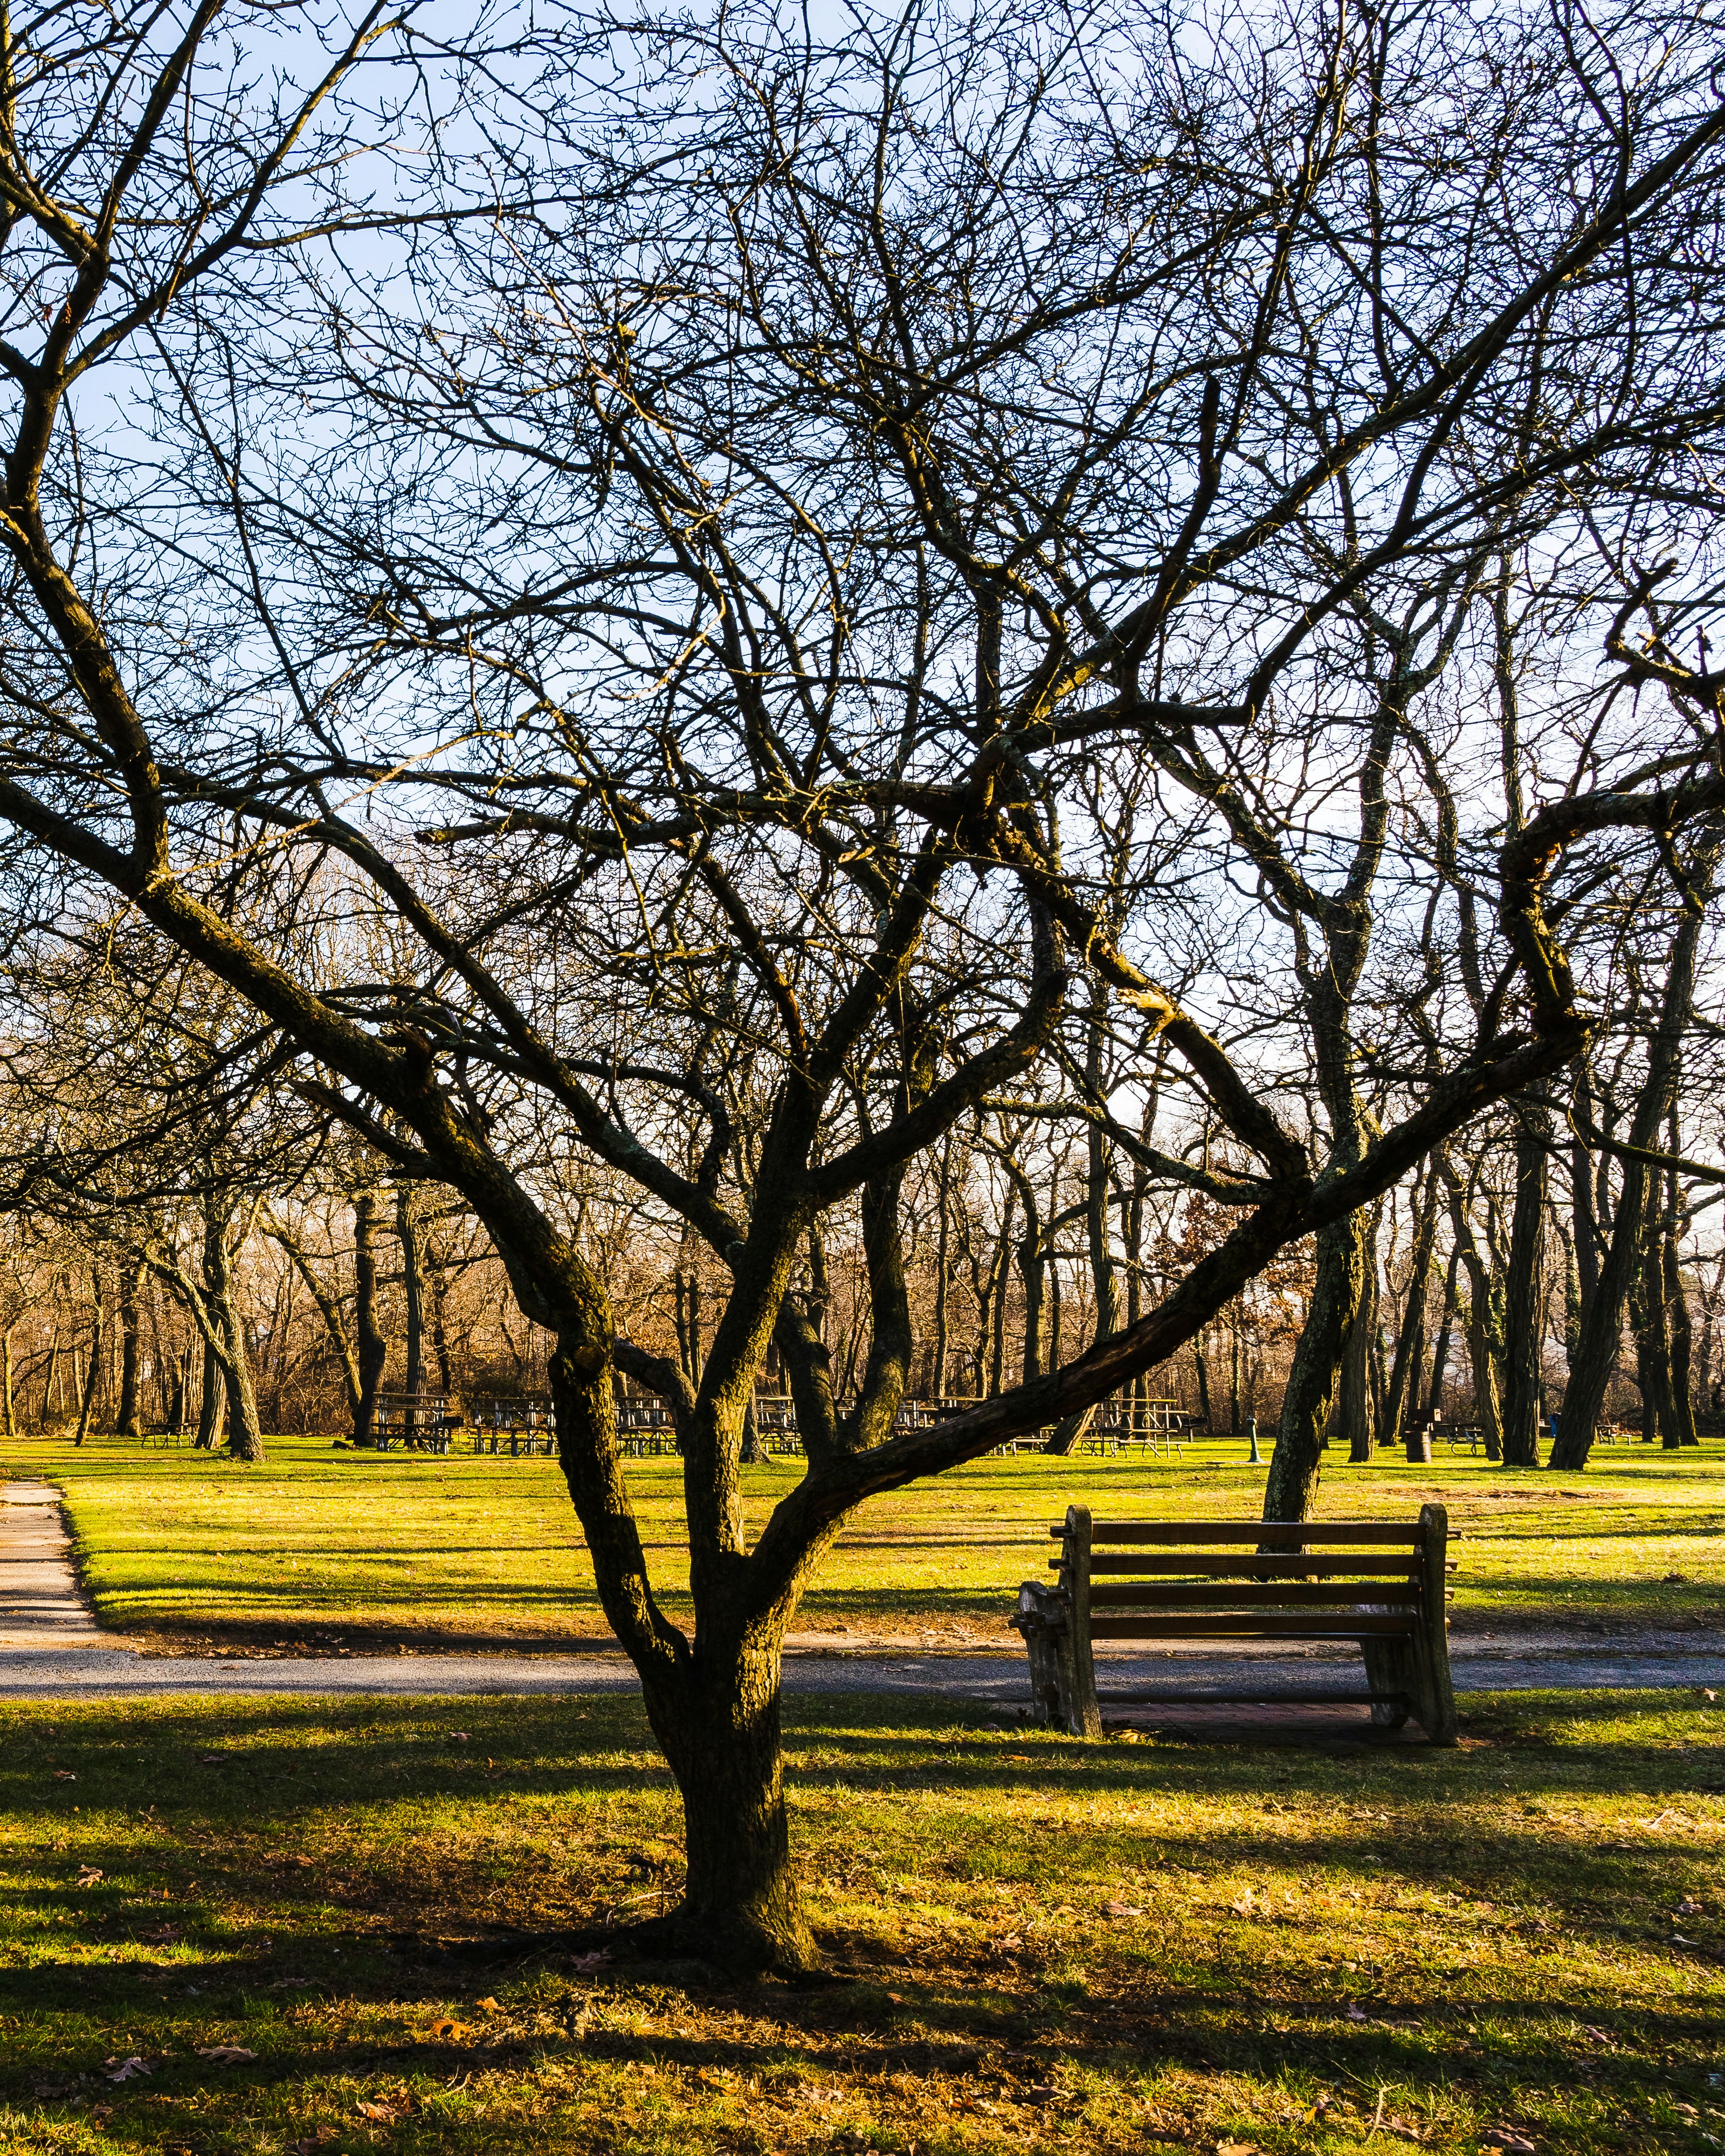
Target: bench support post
<point>1084,1716</point>
<point>1433,1694</point>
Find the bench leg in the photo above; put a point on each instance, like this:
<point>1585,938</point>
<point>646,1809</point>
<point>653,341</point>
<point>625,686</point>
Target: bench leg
<point>1388,1668</point>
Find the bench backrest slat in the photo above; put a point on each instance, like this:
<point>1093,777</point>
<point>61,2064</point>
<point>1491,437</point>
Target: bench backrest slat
<point>1292,1534</point>
<point>1247,1565</point>
<point>1280,1594</point>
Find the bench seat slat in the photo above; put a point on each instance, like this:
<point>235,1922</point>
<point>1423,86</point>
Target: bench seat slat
<point>1249,1566</point>
<point>1200,1627</point>
<point>1273,1595</point>
<point>1292,1534</point>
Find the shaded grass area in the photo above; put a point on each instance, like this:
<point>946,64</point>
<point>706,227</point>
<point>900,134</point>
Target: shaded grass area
<point>376,1548</point>
<point>1051,1946</point>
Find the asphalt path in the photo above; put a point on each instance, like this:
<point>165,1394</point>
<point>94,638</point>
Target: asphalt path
<point>51,1648</point>
<point>998,1681</point>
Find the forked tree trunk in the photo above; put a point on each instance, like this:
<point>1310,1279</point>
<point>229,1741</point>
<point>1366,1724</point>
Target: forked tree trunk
<point>714,1707</point>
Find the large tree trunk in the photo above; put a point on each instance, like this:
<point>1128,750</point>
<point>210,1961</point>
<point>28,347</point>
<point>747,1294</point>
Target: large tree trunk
<point>720,1731</point>
<point>1521,1298</point>
<point>1291,1489</point>
<point>714,1704</point>
<point>372,1348</point>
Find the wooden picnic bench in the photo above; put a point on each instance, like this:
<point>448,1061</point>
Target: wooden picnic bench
<point>1376,1585</point>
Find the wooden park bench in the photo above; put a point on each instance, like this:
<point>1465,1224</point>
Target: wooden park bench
<point>1374,1585</point>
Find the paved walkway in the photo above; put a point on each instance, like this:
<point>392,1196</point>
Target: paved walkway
<point>50,1648</point>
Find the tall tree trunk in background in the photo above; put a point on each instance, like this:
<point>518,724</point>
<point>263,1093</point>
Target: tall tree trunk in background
<point>328,1310</point>
<point>1598,1348</point>
<point>50,1374</point>
<point>211,1400</point>
<point>1485,1335</point>
<point>372,1348</point>
<point>1098,1188</point>
<point>6,1380</point>
<point>407,1229</point>
<point>1522,1302</point>
<point>942,1275</point>
<point>1445,1334</point>
<point>92,1379</point>
<point>127,1421</point>
<point>436,1286</point>
<point>1402,1395</point>
<point>1356,1422</point>
<point>1680,1331</point>
<point>1002,1281</point>
<point>1572,1287</point>
<point>1337,1286</point>
<point>245,1438</point>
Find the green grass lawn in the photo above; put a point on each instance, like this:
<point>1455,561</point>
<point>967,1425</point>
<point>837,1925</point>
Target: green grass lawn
<point>377,1548</point>
<point>1050,1946</point>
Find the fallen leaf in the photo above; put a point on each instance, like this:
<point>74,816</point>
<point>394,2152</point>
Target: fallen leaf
<point>319,2137</point>
<point>1236,2149</point>
<point>1357,2013</point>
<point>386,2112</point>
<point>225,2055</point>
<point>488,2006</point>
<point>1245,1905</point>
<point>88,1875</point>
<point>600,1958</point>
<point>63,1775</point>
<point>123,2070</point>
<point>213,1758</point>
<point>1120,1909</point>
<point>1018,1760</point>
<point>459,1737</point>
<point>1043,2092</point>
<point>1506,2138</point>
<point>167,1935</point>
<point>290,1983</point>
